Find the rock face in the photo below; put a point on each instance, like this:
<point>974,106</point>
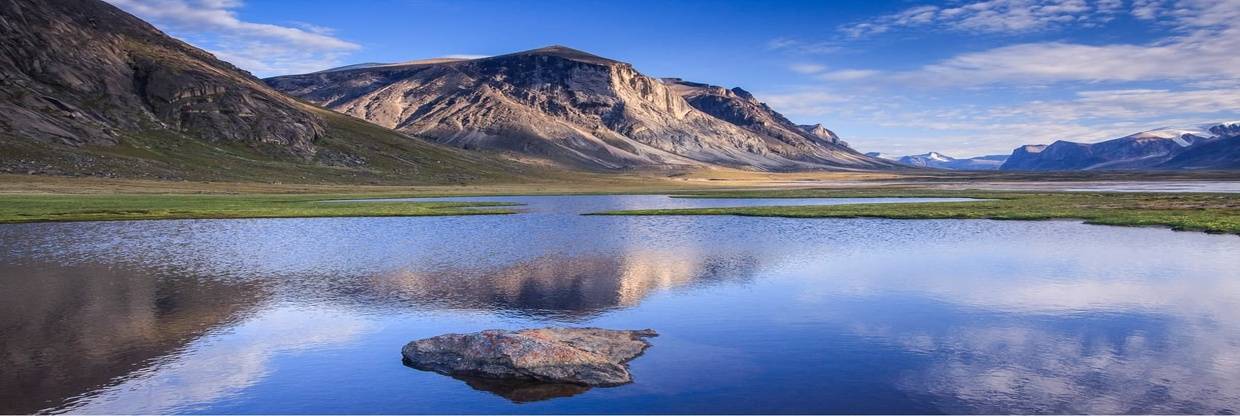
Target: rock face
<point>81,72</point>
<point>808,143</point>
<point>822,133</point>
<point>568,107</point>
<point>582,356</point>
<point>1205,147</point>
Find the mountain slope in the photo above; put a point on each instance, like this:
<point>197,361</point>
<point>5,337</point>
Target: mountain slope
<point>87,89</point>
<point>812,143</point>
<point>563,106</point>
<point>1205,147</point>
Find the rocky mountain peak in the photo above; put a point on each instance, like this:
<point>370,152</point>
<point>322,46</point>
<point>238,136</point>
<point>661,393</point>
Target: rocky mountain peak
<point>1226,129</point>
<point>742,93</point>
<point>819,131</point>
<point>565,106</point>
<point>564,52</point>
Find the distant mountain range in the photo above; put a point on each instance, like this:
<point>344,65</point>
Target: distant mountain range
<point>566,107</point>
<point>1206,147</point>
<point>938,160</point>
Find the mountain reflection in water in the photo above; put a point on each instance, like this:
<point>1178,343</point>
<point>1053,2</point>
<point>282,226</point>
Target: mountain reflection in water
<point>68,330</point>
<point>755,315</point>
<point>560,287</point>
<point>72,333</point>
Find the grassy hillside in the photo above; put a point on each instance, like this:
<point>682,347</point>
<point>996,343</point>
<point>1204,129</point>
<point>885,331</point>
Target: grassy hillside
<point>353,151</point>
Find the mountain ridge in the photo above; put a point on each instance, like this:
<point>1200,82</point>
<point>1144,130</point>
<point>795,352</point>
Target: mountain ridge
<point>936,160</point>
<point>1208,146</point>
<point>563,106</point>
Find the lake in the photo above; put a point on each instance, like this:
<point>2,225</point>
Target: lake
<point>765,315</point>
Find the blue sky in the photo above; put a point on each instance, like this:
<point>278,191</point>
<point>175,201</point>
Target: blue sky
<point>962,77</point>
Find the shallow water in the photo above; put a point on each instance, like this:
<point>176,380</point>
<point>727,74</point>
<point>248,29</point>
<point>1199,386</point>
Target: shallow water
<point>755,314</point>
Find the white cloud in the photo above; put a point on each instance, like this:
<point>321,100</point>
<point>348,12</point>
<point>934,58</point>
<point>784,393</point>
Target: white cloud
<point>991,16</point>
<point>917,125</point>
<point>847,74</point>
<point>807,68</point>
<point>263,48</point>
<point>1202,48</point>
<point>802,47</point>
<point>810,102</point>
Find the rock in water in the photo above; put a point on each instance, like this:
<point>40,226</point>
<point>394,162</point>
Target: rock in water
<point>585,356</point>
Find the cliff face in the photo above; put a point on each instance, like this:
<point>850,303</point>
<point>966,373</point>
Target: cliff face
<point>565,106</point>
<point>81,72</point>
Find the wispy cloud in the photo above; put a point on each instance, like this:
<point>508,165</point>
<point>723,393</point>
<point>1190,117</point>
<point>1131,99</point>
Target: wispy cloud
<point>847,74</point>
<point>1206,34</point>
<point>805,47</point>
<point>807,68</point>
<point>1077,91</point>
<point>916,125</point>
<point>262,48</point>
<point>991,16</point>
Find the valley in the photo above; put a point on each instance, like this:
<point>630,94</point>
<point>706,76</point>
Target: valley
<point>693,209</point>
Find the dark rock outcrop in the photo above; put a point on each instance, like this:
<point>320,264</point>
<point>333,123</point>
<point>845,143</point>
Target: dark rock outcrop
<point>82,72</point>
<point>582,356</point>
<point>568,107</point>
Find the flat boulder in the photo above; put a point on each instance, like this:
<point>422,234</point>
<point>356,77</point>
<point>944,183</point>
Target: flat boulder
<point>582,356</point>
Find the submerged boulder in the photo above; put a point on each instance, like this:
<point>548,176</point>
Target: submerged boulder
<point>582,356</point>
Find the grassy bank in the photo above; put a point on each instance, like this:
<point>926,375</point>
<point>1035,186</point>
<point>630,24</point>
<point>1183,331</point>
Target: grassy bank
<point>43,208</point>
<point>36,198</point>
<point>1213,213</point>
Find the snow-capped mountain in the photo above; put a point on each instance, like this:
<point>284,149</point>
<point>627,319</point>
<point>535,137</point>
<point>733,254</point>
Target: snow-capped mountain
<point>1209,146</point>
<point>938,160</point>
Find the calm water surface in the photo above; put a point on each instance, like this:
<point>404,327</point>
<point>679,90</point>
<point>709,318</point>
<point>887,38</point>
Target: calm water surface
<point>755,314</point>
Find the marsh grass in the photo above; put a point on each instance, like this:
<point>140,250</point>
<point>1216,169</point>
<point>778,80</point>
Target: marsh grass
<point>43,208</point>
<point>1208,212</point>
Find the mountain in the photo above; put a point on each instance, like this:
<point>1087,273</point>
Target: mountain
<point>938,160</point>
<point>566,107</point>
<point>87,89</point>
<point>739,107</point>
<point>820,132</point>
<point>1212,146</point>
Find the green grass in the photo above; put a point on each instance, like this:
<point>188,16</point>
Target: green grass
<point>1212,213</point>
<point>43,208</point>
